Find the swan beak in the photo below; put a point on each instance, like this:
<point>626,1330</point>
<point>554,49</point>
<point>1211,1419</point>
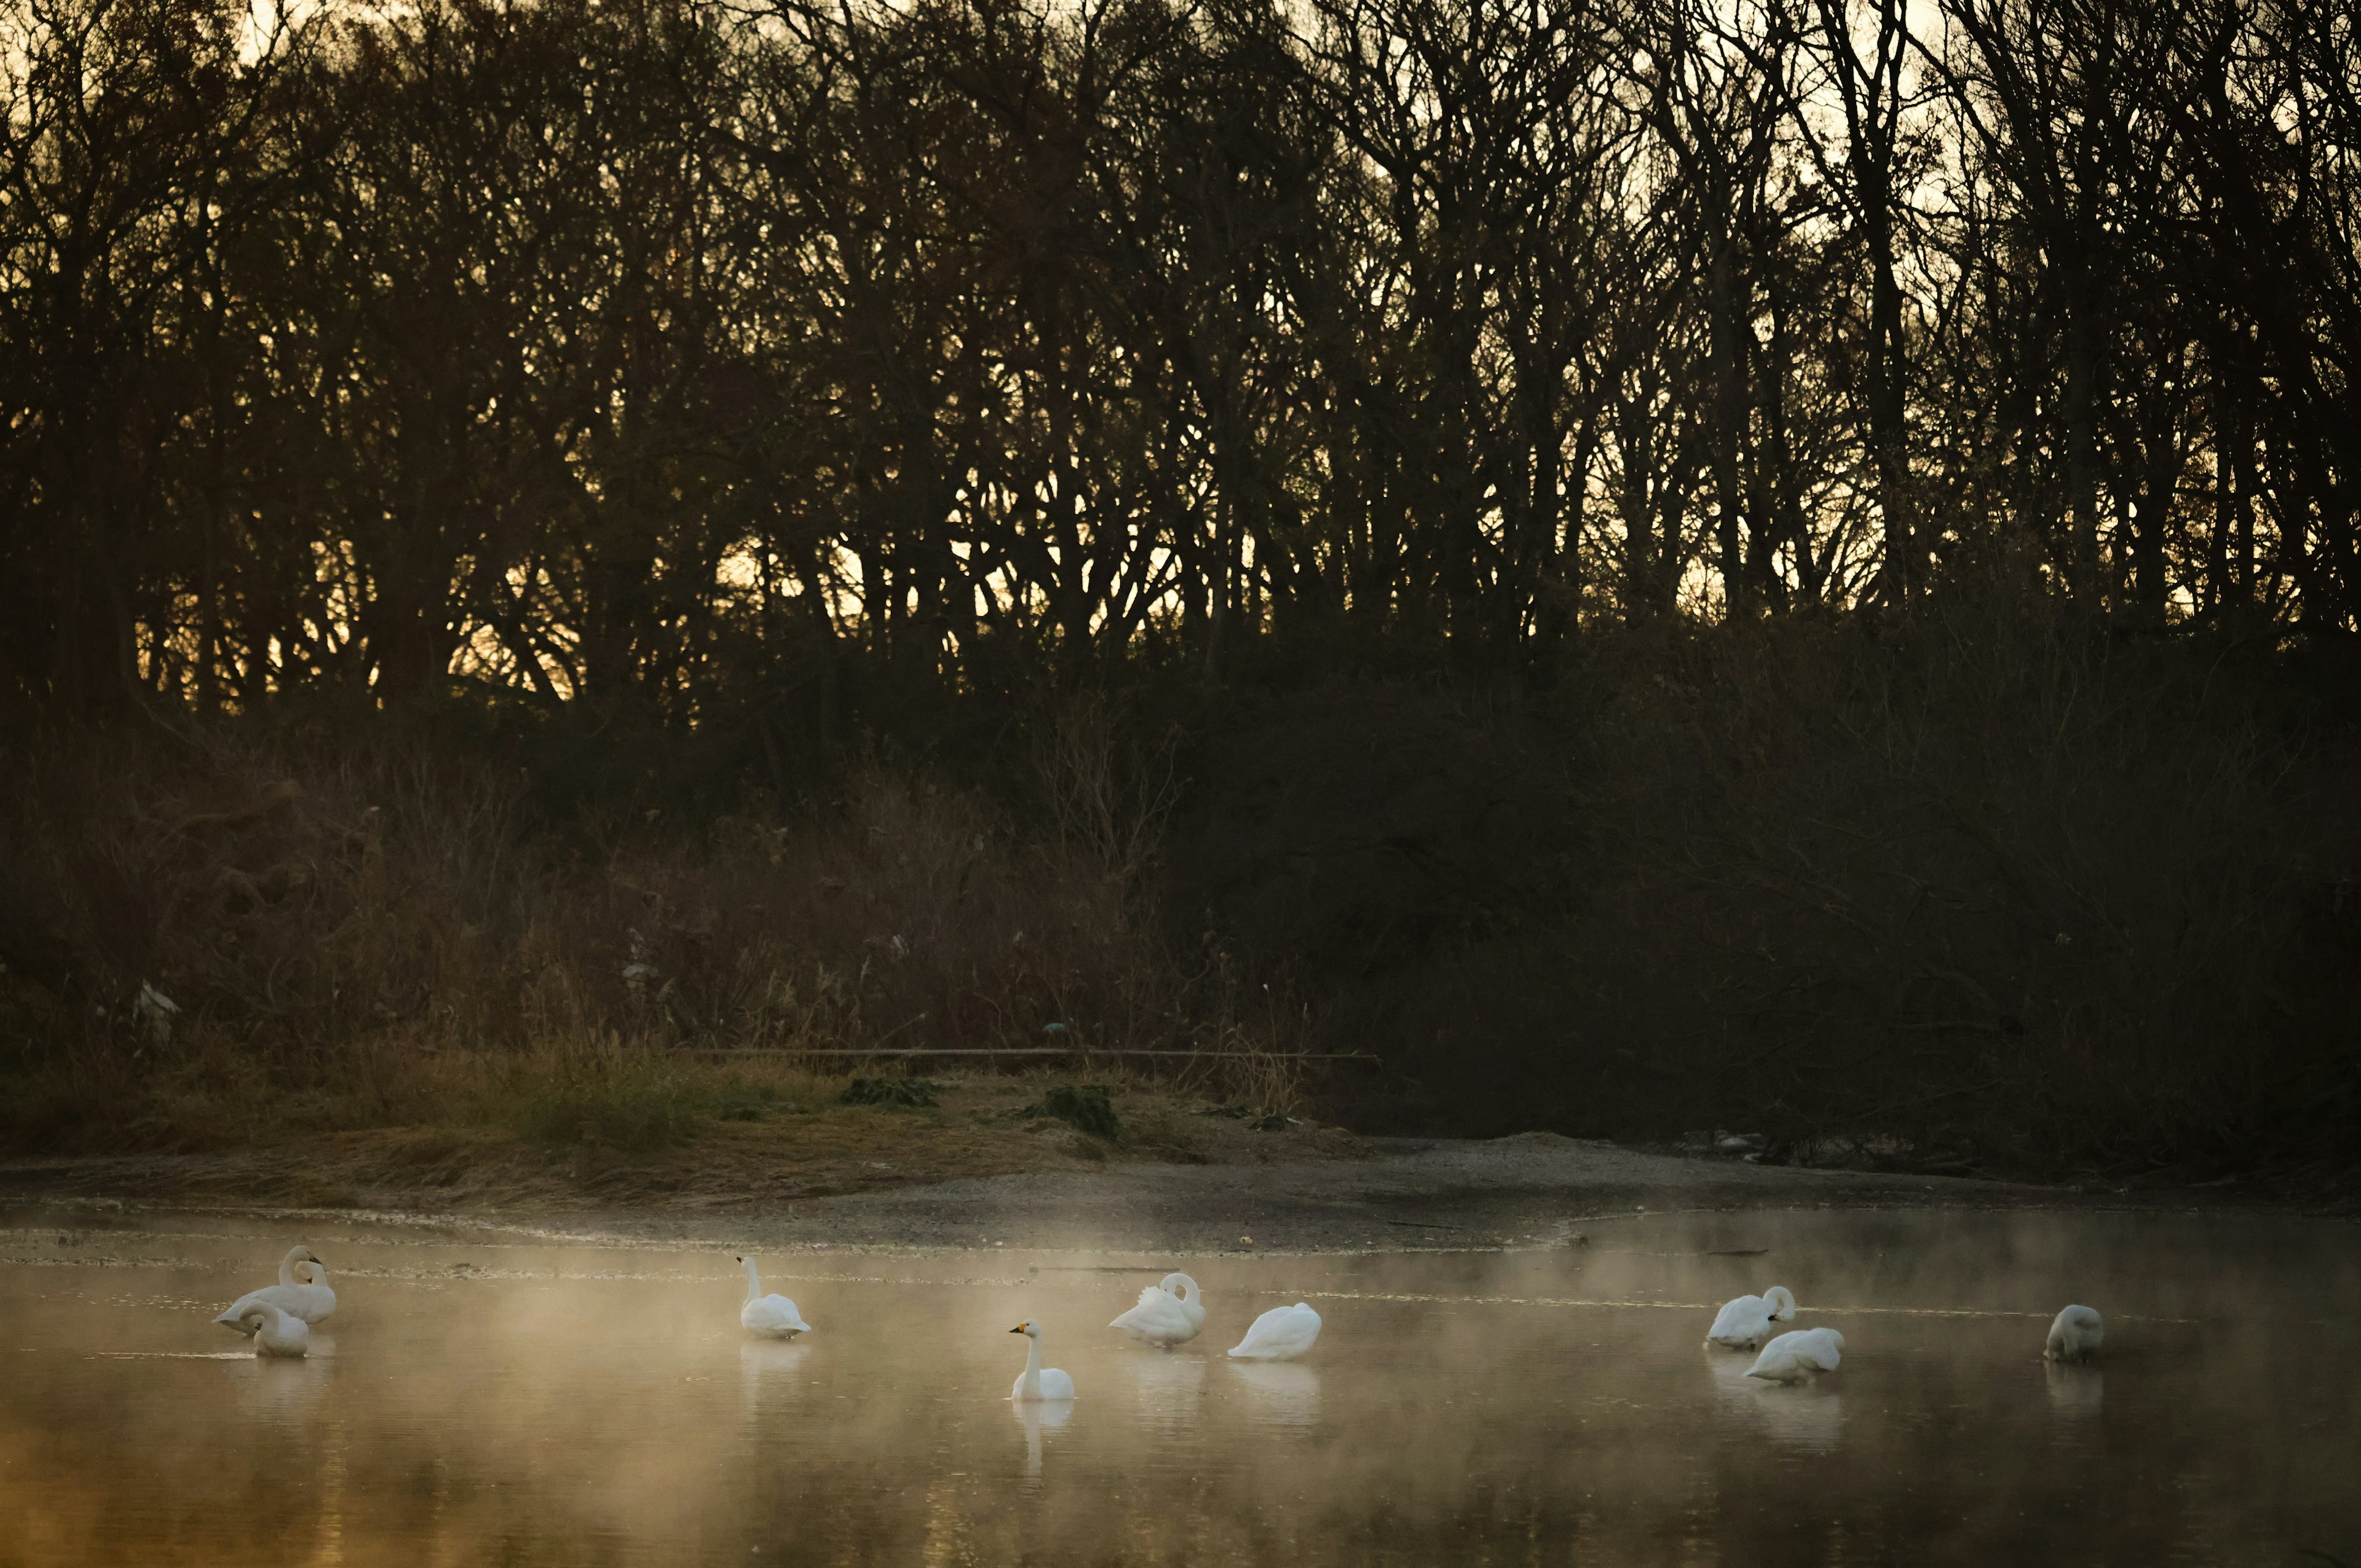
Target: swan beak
<point>1017,1329</point>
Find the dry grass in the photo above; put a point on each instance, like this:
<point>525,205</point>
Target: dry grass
<point>387,943</point>
<point>773,1132</point>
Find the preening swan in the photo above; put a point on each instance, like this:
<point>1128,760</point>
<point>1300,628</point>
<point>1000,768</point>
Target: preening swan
<point>2075,1335</point>
<point>772,1317</point>
<point>1746,1322</point>
<point>275,1332</point>
<point>1035,1382</point>
<point>1793,1357</point>
<point>302,1292</point>
<point>1280,1334</point>
<point>1168,1314</point>
<point>1806,1420</point>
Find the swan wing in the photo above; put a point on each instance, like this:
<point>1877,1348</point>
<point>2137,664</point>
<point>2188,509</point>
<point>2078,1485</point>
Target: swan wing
<point>286,1336</point>
<point>772,1315</point>
<point>1739,1322</point>
<point>1161,1318</point>
<point>1279,1334</point>
<point>1820,1350</point>
<point>1777,1362</point>
<point>285,1298</point>
<point>1797,1354</point>
<point>310,1302</point>
<point>1054,1383</point>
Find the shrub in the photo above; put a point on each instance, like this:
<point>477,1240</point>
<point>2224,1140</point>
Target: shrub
<point>1083,1106</point>
<point>890,1092</point>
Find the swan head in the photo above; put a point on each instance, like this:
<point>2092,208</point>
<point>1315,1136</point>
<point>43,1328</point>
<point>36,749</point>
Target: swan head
<point>1781,1300</point>
<point>1029,1328</point>
<point>1180,1286</point>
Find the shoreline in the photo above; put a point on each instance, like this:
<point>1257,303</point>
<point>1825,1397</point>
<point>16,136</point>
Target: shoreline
<point>1389,1195</point>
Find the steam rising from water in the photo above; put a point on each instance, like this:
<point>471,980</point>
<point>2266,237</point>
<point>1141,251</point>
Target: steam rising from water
<point>537,1402</point>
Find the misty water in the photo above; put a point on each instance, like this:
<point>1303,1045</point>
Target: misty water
<point>494,1401</point>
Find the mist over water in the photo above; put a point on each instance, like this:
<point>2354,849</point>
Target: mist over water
<point>592,1404</point>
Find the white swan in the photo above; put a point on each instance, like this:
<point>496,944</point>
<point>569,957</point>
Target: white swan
<point>1280,1334</point>
<point>1035,1382</point>
<point>1792,1357</point>
<point>276,1333</point>
<point>302,1292</point>
<point>1168,1314</point>
<point>1806,1420</point>
<point>1746,1322</point>
<point>772,1317</point>
<point>2075,1335</point>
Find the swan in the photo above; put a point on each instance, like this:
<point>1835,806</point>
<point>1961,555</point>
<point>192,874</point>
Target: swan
<point>1745,1322</point>
<point>276,1332</point>
<point>302,1292</point>
<point>2075,1335</point>
<point>1034,1382</point>
<point>1280,1334</point>
<point>1792,1357</point>
<point>1168,1314</point>
<point>1807,1422</point>
<point>772,1317</point>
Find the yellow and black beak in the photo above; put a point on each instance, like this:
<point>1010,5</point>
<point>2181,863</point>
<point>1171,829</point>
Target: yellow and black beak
<point>1017,1329</point>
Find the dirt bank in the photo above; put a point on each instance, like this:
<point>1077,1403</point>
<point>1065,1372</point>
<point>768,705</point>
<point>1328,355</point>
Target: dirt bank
<point>1315,1190</point>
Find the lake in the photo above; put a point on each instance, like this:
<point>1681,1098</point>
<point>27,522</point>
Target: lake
<point>488,1398</point>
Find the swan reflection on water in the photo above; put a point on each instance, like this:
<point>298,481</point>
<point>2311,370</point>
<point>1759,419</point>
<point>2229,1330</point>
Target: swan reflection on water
<point>1170,1388</point>
<point>1806,1417</point>
<point>1037,1416</point>
<point>2077,1391</point>
<point>1285,1393</point>
<point>768,1361</point>
<point>281,1394</point>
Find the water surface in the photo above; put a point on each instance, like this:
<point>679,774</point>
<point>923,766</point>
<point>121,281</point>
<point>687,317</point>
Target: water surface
<point>498,1402</point>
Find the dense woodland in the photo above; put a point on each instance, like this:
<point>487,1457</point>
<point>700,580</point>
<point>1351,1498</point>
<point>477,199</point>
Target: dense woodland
<point>1842,501</point>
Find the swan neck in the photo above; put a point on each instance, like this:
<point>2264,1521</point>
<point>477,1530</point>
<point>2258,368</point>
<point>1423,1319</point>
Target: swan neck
<point>753,1281</point>
<point>1182,1288</point>
<point>1032,1364</point>
<point>287,1275</point>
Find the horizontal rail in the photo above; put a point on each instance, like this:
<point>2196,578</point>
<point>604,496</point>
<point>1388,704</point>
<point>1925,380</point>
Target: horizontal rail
<point>1000,1051</point>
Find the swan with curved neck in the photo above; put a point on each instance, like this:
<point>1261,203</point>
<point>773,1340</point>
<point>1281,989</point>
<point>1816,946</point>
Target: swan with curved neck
<point>1037,1382</point>
<point>2076,1336</point>
<point>1745,1322</point>
<point>276,1333</point>
<point>1168,1314</point>
<point>772,1317</point>
<point>302,1292</point>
